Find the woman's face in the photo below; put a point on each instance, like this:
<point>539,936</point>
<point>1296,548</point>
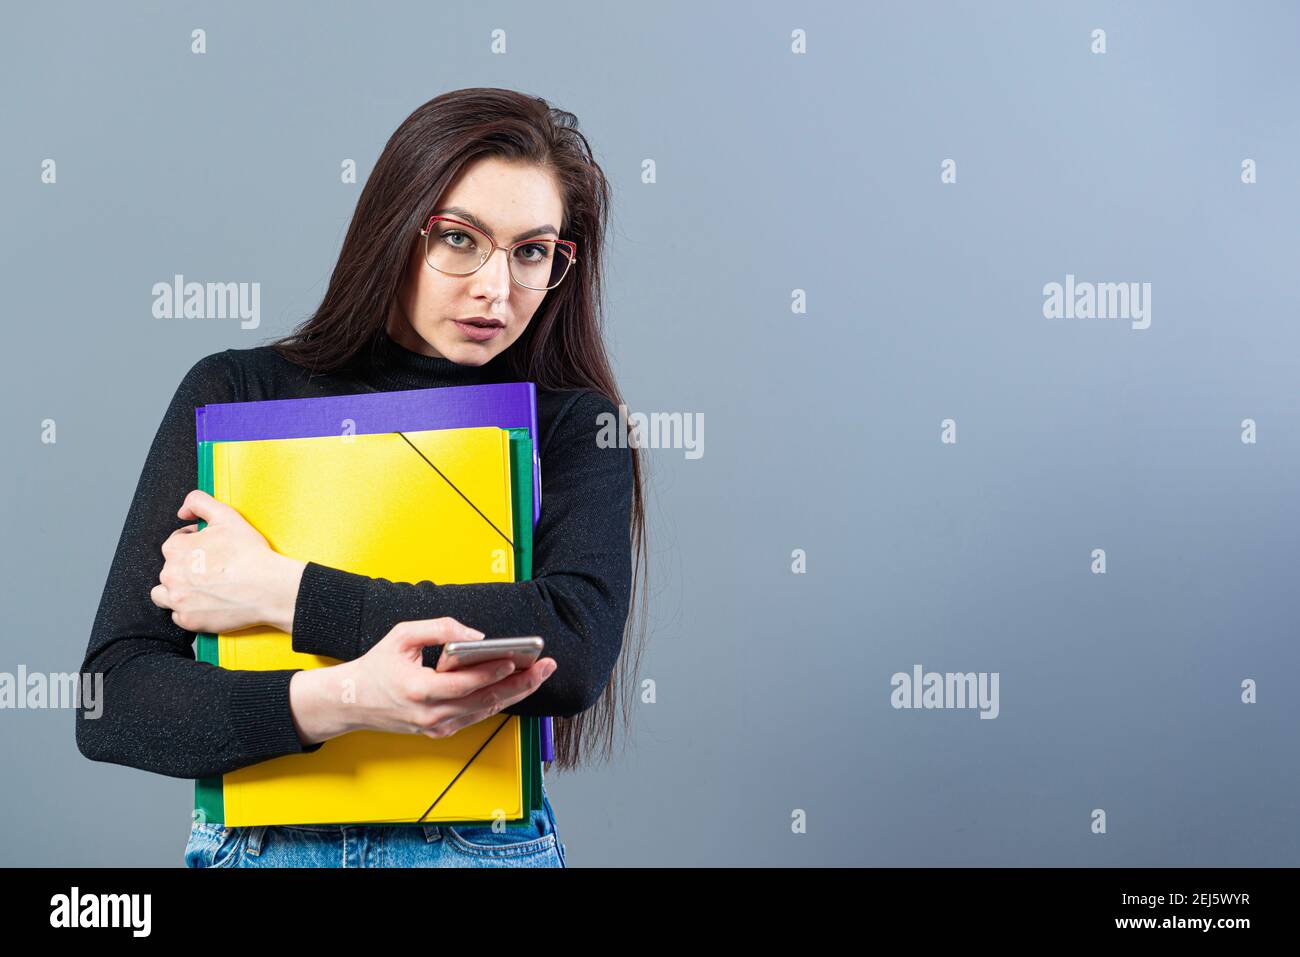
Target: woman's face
<point>508,199</point>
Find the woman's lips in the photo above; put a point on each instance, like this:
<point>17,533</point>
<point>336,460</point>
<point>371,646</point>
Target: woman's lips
<point>478,333</point>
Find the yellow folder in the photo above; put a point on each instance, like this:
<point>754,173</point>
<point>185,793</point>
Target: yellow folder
<point>408,507</point>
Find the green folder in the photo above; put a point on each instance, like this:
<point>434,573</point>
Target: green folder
<point>209,803</point>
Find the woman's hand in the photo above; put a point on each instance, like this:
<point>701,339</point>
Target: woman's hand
<point>389,688</point>
<point>227,576</point>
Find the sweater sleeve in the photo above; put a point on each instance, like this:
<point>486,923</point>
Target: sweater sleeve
<point>577,600</point>
<point>159,709</point>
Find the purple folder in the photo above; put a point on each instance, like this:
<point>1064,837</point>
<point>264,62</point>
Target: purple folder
<point>508,405</point>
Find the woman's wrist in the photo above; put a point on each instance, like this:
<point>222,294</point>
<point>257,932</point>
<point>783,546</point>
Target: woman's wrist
<point>282,594</point>
<point>319,702</point>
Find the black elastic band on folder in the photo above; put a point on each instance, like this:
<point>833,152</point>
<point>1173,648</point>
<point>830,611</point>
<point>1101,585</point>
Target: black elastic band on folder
<point>458,491</point>
<point>512,545</point>
<point>467,764</point>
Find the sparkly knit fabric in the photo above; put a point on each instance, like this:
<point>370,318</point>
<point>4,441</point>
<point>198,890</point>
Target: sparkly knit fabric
<point>163,711</point>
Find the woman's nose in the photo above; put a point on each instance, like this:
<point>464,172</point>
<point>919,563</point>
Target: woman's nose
<point>495,274</point>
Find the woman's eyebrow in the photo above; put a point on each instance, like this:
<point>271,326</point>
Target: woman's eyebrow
<point>473,220</point>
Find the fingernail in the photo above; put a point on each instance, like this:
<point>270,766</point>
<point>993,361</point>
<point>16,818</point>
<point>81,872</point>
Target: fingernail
<point>474,633</point>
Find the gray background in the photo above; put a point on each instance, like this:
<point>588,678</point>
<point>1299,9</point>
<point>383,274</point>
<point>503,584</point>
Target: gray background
<point>775,172</point>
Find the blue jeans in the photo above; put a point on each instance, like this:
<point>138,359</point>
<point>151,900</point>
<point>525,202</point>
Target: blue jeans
<point>378,845</point>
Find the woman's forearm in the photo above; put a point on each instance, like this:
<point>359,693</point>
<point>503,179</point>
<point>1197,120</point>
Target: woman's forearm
<point>318,700</point>
<point>162,711</point>
<point>282,593</point>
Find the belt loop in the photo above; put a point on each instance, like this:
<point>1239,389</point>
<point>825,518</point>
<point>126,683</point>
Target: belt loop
<point>431,833</point>
<point>255,835</point>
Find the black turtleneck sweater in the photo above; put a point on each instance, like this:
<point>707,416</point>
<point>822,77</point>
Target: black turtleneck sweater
<point>163,711</point>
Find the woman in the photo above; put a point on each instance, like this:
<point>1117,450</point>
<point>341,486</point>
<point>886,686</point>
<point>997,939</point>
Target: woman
<point>443,279</point>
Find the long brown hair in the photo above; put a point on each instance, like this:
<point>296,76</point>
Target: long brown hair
<point>561,348</point>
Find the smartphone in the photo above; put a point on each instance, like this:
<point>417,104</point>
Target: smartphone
<point>460,654</point>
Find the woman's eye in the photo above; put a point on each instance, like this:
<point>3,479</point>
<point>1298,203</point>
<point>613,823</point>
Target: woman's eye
<point>534,252</point>
<point>454,232</point>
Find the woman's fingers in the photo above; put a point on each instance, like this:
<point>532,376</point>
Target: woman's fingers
<point>473,708</point>
<point>199,504</point>
<point>158,595</point>
<point>506,692</point>
<point>173,545</point>
<point>454,685</point>
<point>410,637</point>
<point>449,727</point>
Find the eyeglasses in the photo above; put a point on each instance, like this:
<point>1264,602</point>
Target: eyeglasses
<point>459,249</point>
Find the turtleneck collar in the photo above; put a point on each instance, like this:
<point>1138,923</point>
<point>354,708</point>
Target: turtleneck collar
<point>389,366</point>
